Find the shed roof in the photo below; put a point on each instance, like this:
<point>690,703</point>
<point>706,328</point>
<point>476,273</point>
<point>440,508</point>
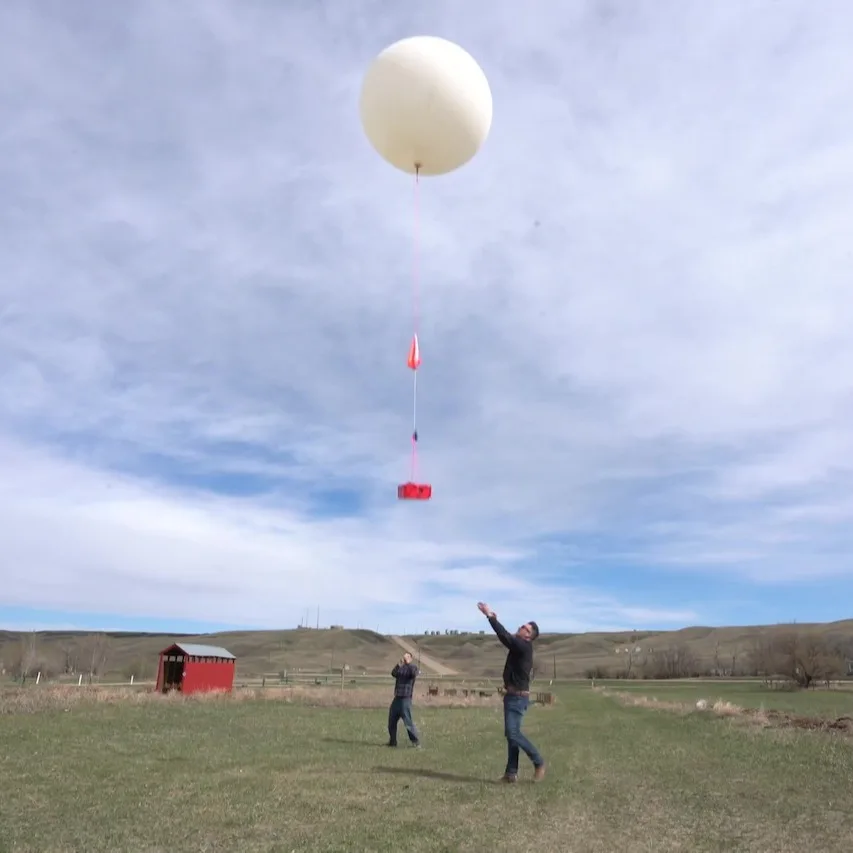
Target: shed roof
<point>203,651</point>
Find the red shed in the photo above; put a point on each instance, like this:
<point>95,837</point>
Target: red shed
<point>191,668</point>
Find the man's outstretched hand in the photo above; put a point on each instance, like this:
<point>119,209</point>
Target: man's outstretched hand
<point>485,609</point>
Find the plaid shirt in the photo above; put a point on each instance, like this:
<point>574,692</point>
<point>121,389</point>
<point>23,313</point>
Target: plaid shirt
<point>405,675</point>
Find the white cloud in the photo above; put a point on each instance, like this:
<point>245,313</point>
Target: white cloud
<point>635,312</point>
<point>118,544</point>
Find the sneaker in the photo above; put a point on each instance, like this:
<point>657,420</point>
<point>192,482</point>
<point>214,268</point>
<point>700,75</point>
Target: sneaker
<point>539,773</point>
<point>509,778</point>
<point>390,744</point>
<point>416,745</point>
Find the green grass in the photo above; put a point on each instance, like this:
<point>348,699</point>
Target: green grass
<point>265,775</point>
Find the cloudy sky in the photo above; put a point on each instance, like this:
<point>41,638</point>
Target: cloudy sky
<point>635,405</point>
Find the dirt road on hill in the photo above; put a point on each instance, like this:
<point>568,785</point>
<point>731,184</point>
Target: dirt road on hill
<point>426,662</point>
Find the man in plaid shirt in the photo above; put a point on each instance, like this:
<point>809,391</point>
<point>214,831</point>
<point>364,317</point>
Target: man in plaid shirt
<point>405,673</point>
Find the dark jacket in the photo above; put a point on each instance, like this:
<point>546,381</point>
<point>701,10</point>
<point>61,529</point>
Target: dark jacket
<point>405,675</point>
<point>519,660</point>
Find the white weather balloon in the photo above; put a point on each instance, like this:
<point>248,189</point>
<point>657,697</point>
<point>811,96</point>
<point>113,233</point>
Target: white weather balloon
<point>426,105</point>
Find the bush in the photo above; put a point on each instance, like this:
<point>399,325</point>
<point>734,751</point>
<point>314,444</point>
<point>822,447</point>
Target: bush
<point>597,672</point>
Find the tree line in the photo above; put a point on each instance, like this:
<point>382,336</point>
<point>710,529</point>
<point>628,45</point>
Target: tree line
<point>87,655</point>
<point>801,658</point>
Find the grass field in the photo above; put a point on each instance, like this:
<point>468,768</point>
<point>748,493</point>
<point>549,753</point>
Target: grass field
<point>110,770</point>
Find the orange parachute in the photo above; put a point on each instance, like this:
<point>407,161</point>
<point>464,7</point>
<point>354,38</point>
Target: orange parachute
<point>413,491</point>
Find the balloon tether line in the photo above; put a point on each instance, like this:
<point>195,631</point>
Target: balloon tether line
<point>416,318</point>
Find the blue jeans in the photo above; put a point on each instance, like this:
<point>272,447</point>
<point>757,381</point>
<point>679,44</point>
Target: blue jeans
<point>401,709</point>
<point>514,709</point>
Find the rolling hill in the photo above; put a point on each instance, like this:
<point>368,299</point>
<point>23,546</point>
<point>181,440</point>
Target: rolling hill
<point>729,650</point>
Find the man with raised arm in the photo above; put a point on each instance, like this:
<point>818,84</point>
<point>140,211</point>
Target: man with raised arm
<point>516,677</point>
<point>405,673</point>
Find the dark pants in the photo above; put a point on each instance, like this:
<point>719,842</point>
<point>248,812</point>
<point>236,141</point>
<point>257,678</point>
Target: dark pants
<point>514,710</point>
<point>401,709</point>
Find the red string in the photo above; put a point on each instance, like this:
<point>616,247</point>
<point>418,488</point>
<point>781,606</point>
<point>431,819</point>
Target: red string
<point>417,258</point>
<point>416,318</point>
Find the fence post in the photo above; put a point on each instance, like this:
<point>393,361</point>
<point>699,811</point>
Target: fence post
<point>342,678</point>
<point>38,678</point>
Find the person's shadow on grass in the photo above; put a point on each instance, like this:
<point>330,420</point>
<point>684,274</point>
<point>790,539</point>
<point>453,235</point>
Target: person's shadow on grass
<point>435,774</point>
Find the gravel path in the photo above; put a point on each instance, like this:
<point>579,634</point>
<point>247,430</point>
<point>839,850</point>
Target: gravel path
<point>426,662</point>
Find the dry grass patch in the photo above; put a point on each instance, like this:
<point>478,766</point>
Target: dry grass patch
<point>639,700</point>
<point>39,699</point>
<point>723,708</point>
<point>34,700</point>
<point>764,717</point>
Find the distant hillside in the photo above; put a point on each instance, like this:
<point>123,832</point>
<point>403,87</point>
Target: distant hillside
<point>257,652</point>
<point>727,650</point>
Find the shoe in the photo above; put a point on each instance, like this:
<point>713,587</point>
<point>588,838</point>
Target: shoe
<point>509,778</point>
<point>390,744</point>
<point>416,745</point>
<point>539,773</point>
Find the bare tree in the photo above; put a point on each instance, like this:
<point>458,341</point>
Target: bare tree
<point>629,663</point>
<point>760,657</point>
<point>806,658</point>
<point>814,659</point>
<point>137,669</point>
<point>779,658</point>
<point>845,651</point>
<point>99,649</point>
<point>69,656</point>
<point>674,662</point>
<point>718,669</point>
<point>28,655</point>
<point>840,654</point>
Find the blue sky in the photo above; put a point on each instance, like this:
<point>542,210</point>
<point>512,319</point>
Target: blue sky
<point>635,403</point>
